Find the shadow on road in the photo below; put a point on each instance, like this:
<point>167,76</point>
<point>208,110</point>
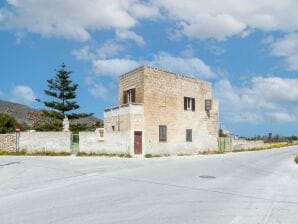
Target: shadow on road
<point>10,163</point>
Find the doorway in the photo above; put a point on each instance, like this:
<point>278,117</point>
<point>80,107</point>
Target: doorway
<point>138,142</point>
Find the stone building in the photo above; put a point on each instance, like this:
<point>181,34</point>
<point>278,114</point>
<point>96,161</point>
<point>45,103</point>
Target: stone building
<point>161,112</point>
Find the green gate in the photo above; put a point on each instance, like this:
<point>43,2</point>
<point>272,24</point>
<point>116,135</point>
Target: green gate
<point>225,144</point>
<point>74,143</point>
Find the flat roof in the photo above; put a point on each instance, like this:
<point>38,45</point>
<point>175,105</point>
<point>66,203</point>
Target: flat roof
<point>143,67</point>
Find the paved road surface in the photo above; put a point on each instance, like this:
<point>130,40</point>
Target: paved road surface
<point>250,187</point>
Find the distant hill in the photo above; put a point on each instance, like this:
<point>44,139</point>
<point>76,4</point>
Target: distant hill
<point>27,115</point>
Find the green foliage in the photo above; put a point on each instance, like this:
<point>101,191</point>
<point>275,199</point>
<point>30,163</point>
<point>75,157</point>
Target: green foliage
<point>76,128</point>
<point>7,123</point>
<point>63,91</point>
<point>49,126</point>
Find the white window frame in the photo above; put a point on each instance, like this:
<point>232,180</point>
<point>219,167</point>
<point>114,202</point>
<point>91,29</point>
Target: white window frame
<point>129,96</point>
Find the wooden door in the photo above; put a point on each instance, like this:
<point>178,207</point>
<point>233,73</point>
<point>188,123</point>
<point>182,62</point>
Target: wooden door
<point>138,142</point>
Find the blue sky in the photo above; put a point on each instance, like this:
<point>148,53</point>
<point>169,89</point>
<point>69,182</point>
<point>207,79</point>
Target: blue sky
<point>248,49</point>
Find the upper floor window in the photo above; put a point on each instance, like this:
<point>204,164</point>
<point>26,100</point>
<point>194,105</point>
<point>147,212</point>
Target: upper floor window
<point>189,103</point>
<point>129,96</point>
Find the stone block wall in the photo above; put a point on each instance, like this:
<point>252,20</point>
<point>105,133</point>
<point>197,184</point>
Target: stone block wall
<point>8,142</point>
<point>164,94</point>
<point>242,144</point>
<point>133,79</point>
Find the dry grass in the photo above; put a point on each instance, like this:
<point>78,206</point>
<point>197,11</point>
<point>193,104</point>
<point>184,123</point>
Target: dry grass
<point>123,155</point>
<point>24,152</point>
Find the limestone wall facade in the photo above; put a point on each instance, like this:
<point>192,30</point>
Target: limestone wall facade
<point>162,96</point>
<point>164,105</point>
<point>8,142</point>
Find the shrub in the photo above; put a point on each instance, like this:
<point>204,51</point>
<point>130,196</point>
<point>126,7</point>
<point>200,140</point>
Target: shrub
<point>7,123</point>
<point>49,126</point>
<point>296,159</point>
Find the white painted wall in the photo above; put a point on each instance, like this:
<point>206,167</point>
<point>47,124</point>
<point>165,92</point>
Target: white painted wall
<point>116,142</point>
<point>41,141</point>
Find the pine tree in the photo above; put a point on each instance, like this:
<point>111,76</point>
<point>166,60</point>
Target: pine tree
<point>63,91</point>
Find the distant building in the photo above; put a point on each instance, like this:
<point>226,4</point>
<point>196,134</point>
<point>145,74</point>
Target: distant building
<point>161,112</point>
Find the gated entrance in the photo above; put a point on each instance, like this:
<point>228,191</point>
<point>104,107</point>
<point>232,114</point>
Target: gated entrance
<point>225,144</point>
<point>74,143</point>
<point>138,142</point>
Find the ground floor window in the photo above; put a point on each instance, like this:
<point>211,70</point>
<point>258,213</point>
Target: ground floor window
<point>189,135</point>
<point>162,133</point>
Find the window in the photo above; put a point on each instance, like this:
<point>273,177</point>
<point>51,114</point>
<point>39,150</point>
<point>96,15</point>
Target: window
<point>208,104</point>
<point>162,133</point>
<point>189,135</point>
<point>113,128</point>
<point>129,96</point>
<point>189,103</point>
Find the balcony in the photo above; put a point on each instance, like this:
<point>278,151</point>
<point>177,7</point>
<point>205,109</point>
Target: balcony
<point>132,108</point>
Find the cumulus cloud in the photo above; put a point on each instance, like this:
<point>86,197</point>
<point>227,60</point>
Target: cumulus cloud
<point>130,35</point>
<point>23,94</point>
<point>73,19</point>
<point>191,66</point>
<point>287,47</point>
<point>264,98</point>
<point>82,53</point>
<point>100,91</point>
<point>194,18</point>
<point>221,19</point>
<point>114,66</point>
<point>108,49</point>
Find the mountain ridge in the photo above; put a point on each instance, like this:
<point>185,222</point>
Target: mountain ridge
<point>27,115</point>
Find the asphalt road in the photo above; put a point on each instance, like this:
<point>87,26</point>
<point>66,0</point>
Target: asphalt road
<point>249,187</point>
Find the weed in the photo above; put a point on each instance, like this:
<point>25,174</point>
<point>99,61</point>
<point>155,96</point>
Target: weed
<point>122,155</point>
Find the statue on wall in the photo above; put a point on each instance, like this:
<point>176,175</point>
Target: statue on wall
<point>65,124</point>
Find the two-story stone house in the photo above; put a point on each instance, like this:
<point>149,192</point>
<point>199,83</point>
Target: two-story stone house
<point>161,112</point>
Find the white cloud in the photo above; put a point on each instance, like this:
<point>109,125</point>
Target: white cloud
<point>130,35</point>
<point>82,53</point>
<point>73,19</point>
<point>283,116</point>
<point>114,67</point>
<point>109,49</point>
<point>191,66</point>
<point>265,98</point>
<point>221,19</point>
<point>23,94</point>
<point>287,47</point>
<point>100,91</point>
<point>194,18</point>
